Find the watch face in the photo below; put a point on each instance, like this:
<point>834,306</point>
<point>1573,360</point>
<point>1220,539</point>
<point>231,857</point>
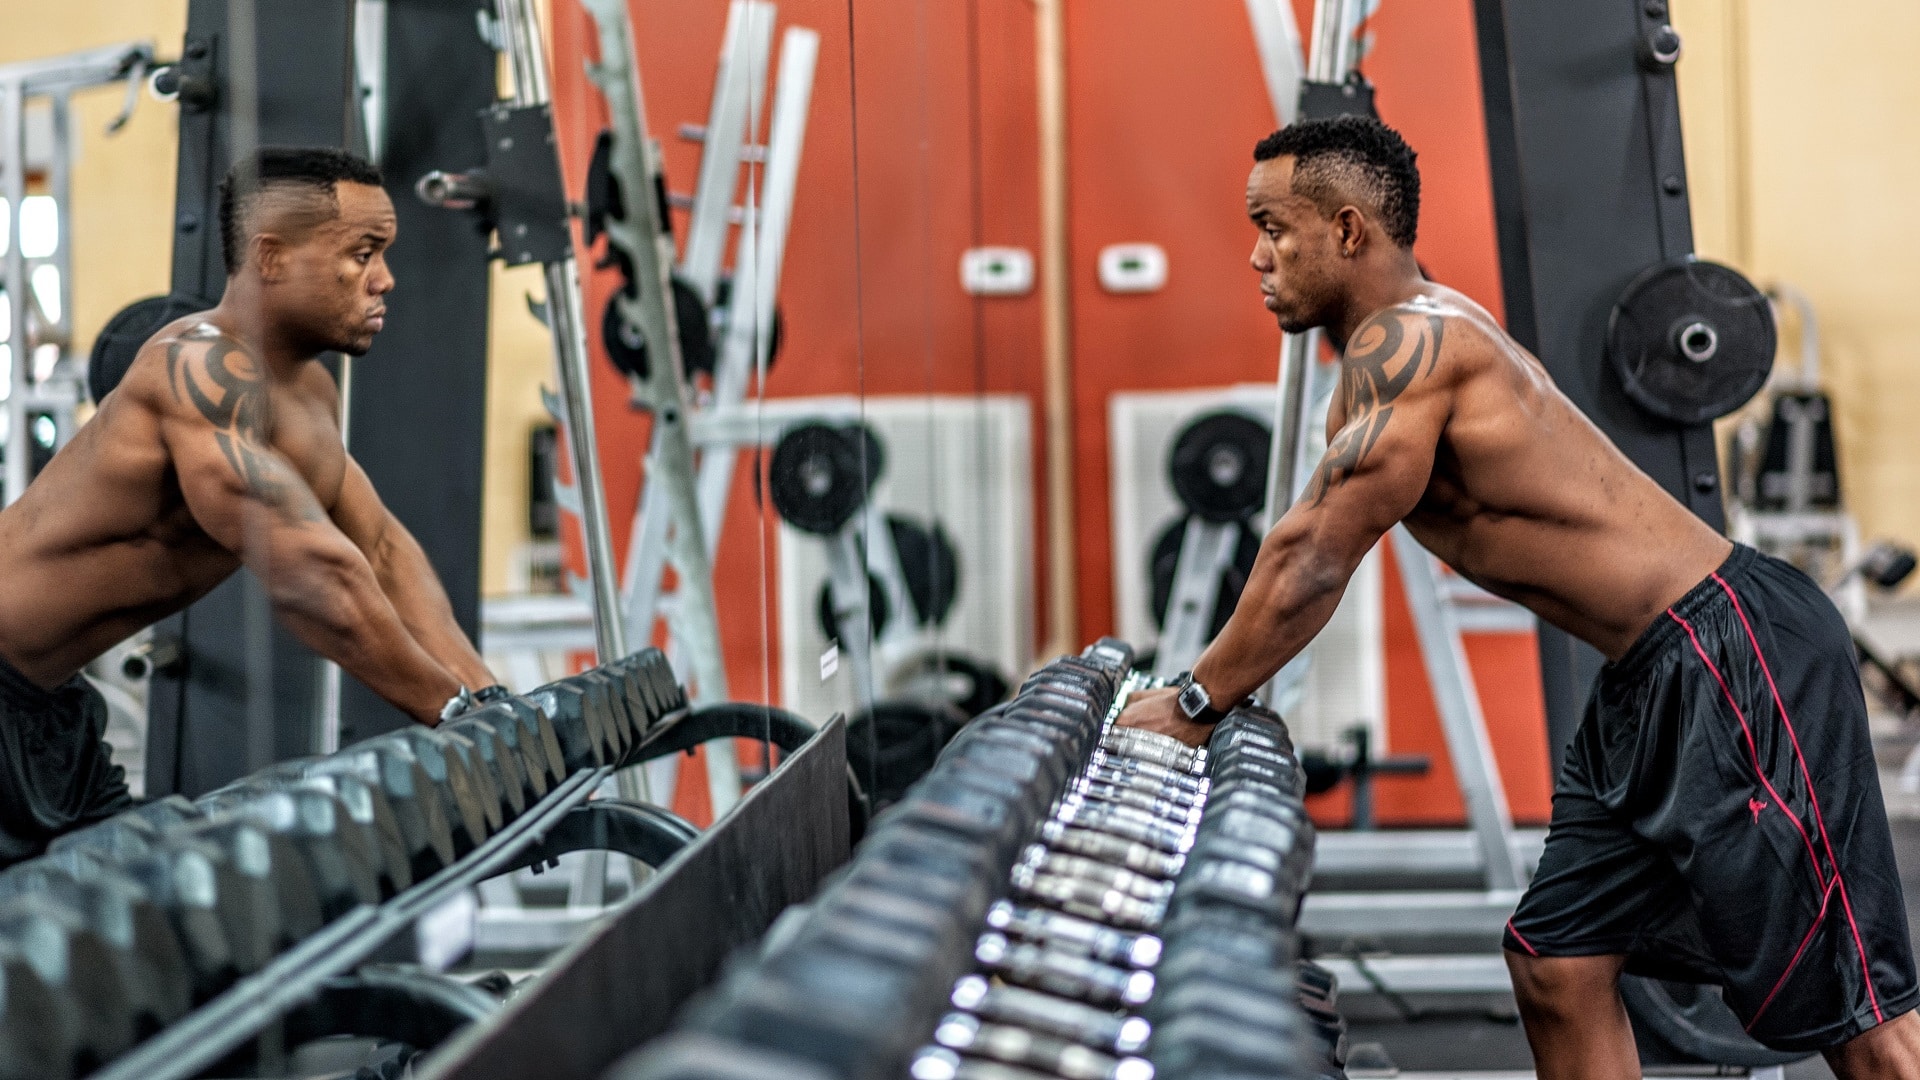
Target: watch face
<point>1193,700</point>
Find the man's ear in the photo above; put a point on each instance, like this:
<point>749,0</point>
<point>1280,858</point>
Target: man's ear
<point>268,254</point>
<point>1350,230</point>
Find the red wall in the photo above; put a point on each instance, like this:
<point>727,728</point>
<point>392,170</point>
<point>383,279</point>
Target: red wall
<point>921,143</point>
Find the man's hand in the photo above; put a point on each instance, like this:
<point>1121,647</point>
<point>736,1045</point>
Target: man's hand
<point>1156,710</point>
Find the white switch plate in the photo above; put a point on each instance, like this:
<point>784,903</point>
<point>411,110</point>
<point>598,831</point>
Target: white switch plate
<point>1133,268</point>
<point>997,271</point>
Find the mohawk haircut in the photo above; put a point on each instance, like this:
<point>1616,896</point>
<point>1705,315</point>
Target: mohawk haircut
<point>1352,159</point>
<point>312,171</point>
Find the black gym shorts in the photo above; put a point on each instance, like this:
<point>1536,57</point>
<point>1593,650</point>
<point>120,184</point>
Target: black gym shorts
<point>56,770</point>
<point>1718,817</point>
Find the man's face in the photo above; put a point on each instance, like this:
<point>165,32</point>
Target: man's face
<point>334,280</point>
<point>1296,255</point>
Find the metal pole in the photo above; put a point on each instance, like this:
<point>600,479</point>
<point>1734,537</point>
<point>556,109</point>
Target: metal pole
<point>13,157</point>
<point>649,247</point>
<point>1056,301</point>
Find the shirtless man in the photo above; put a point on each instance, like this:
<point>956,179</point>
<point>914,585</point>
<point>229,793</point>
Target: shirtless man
<point>221,447</point>
<point>1718,819</point>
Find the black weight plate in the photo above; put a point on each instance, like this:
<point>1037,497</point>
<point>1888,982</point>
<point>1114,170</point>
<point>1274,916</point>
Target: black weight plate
<point>120,340</point>
<point>1689,304</point>
<point>723,310</point>
<point>1166,560</point>
<point>1219,466</point>
<point>878,611</point>
<point>627,347</point>
<point>816,478</point>
<point>931,566</point>
<point>1694,1023</point>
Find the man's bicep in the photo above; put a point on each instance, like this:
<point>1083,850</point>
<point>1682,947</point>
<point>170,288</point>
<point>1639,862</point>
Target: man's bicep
<point>360,514</point>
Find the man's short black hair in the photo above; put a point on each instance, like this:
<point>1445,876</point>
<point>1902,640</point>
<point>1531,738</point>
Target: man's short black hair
<point>1348,157</point>
<point>278,168</point>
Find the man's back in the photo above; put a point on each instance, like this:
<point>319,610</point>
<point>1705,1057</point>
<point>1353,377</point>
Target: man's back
<point>107,524</point>
<point>1526,496</point>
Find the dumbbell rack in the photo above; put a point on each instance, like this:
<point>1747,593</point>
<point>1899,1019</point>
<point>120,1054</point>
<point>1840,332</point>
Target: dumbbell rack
<point>302,872</point>
<point>1058,897</point>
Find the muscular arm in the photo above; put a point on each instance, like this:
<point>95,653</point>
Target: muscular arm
<point>215,421</point>
<point>1376,468</point>
<point>407,578</point>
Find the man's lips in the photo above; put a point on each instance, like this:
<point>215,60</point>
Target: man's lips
<point>378,319</point>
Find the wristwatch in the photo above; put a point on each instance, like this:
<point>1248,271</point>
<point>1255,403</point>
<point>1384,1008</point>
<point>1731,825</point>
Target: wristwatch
<point>1194,701</point>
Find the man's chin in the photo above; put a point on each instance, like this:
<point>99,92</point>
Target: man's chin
<point>1292,325</point>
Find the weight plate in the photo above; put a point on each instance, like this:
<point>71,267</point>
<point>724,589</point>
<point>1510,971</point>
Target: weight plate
<point>1694,1023</point>
<point>1166,559</point>
<point>930,563</point>
<point>878,610</point>
<point>1691,340</point>
<point>816,478</point>
<point>120,340</point>
<point>627,347</point>
<point>1219,466</point>
<point>723,310</point>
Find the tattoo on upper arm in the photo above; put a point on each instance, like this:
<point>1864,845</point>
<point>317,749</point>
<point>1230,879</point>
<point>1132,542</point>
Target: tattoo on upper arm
<point>1386,355</point>
<point>225,385</point>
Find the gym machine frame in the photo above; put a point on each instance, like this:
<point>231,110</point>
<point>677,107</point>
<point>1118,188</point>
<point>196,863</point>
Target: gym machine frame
<point>55,79</point>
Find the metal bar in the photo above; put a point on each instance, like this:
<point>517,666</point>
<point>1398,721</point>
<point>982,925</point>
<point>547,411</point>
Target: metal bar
<point>738,88</point>
<point>1411,853</point>
<point>748,343</point>
<point>1277,37</point>
<point>1206,547</point>
<point>1458,702</point>
<point>650,249</point>
<point>13,187</point>
<point>1372,915</point>
<point>852,615</point>
<point>76,70</point>
<point>1473,973</point>
<point>202,1038</point>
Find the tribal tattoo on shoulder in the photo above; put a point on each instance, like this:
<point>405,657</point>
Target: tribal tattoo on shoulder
<point>1386,355</point>
<point>226,385</point>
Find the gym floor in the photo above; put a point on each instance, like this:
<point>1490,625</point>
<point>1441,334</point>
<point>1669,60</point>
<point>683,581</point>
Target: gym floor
<point>1457,1042</point>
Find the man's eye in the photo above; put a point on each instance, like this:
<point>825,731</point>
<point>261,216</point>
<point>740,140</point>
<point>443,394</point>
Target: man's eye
<point>363,257</point>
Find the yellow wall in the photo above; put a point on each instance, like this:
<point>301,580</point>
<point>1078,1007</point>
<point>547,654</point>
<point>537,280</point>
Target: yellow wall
<point>122,210</point>
<point>1799,125</point>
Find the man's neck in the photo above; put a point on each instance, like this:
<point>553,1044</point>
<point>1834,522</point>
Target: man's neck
<point>1394,279</point>
<point>241,315</point>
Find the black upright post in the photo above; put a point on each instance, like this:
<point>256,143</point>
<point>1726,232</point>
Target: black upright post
<point>419,398</point>
<point>240,670</point>
<point>1583,131</point>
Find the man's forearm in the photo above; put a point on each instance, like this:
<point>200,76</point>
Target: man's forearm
<point>1289,597</point>
<point>338,610</point>
<point>413,588</point>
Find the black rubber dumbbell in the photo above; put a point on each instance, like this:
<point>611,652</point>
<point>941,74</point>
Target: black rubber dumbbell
<point>410,794</point>
<point>1085,1024</point>
<point>259,854</point>
<point>81,965</point>
<point>116,908</point>
<point>364,804</point>
<point>40,1022</point>
<point>525,763</point>
<point>501,758</point>
<point>198,874</point>
<point>1068,974</point>
<point>341,854</point>
<point>1069,933</point>
<point>483,771</point>
<point>607,696</point>
<point>583,741</point>
<point>533,733</point>
<point>448,779</point>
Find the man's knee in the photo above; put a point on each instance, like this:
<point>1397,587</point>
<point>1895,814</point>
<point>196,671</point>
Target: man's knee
<point>1563,987</point>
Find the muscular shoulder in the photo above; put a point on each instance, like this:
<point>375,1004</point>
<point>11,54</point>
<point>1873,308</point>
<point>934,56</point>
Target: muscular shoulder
<point>1439,338</point>
<point>192,370</point>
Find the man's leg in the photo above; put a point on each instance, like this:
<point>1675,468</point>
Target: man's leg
<point>1890,1050</point>
<point>1575,1020</point>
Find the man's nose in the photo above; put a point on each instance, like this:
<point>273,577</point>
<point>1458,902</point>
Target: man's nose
<point>1259,259</point>
<point>380,283</point>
